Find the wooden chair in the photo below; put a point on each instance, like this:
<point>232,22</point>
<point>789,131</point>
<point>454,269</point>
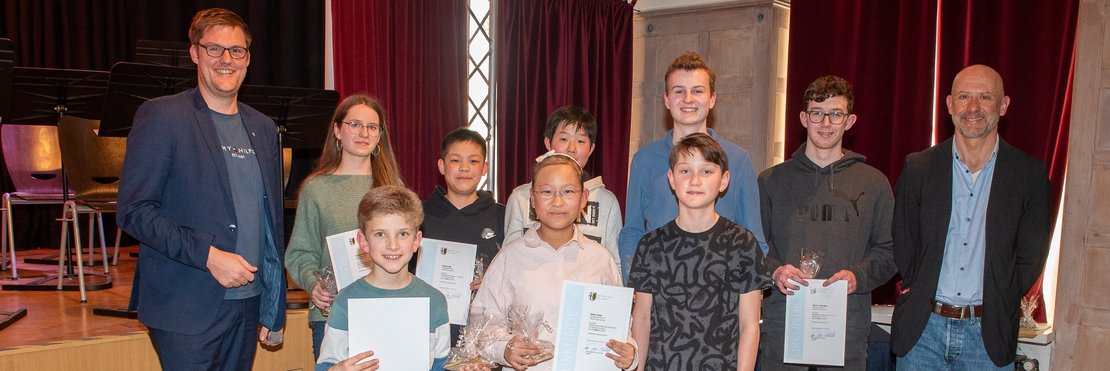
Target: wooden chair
<point>93,165</point>
<point>33,159</point>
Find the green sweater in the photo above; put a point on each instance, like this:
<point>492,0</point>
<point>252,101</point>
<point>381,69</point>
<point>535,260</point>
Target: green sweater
<point>327,205</point>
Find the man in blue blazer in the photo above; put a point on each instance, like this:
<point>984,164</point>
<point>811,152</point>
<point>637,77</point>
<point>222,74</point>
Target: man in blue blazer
<point>971,233</point>
<point>201,192</point>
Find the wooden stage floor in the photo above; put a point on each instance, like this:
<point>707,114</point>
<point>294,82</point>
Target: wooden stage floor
<point>54,316</point>
<point>57,325</point>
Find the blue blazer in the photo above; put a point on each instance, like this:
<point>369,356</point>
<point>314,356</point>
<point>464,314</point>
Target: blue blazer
<point>1018,230</point>
<point>175,198</point>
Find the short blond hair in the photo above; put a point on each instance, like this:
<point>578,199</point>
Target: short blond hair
<point>390,200</point>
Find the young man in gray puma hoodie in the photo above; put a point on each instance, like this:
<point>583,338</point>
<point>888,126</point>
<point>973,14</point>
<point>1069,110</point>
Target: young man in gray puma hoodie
<point>827,200</point>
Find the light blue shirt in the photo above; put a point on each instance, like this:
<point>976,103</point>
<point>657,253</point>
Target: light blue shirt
<point>961,270</point>
<point>651,203</point>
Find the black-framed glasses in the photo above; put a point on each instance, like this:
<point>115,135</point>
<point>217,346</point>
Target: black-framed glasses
<point>548,194</point>
<point>835,118</point>
<point>355,126</point>
<point>217,51</point>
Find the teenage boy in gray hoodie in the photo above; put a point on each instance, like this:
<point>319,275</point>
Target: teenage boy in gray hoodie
<point>826,200</point>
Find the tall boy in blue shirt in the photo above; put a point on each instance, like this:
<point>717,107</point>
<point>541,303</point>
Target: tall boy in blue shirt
<point>649,205</point>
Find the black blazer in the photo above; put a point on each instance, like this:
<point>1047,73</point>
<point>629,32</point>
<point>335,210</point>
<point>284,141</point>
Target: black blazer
<point>1017,240</point>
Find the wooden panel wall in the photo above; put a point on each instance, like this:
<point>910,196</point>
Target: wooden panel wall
<point>1082,301</point>
<point>745,44</point>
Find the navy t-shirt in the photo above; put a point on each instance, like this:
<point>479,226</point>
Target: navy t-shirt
<point>247,190</point>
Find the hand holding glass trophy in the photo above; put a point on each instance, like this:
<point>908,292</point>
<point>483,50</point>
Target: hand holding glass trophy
<point>810,263</point>
<point>325,278</point>
<point>527,325</point>
<point>479,332</point>
<point>479,272</point>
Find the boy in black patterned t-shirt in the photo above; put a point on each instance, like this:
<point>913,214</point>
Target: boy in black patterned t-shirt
<point>698,279</point>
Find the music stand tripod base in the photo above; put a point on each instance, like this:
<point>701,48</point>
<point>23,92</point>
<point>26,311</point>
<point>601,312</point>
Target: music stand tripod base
<point>116,312</point>
<point>8,318</point>
<point>93,282</point>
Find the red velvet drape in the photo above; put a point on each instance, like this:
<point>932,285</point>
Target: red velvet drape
<point>885,49</point>
<point>551,53</point>
<point>889,57</point>
<point>1032,45</point>
<point>412,56</point>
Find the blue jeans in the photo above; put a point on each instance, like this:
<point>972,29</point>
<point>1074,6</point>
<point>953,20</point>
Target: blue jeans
<point>949,344</point>
<point>317,337</point>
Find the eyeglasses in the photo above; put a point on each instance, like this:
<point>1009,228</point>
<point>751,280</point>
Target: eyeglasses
<point>547,194</point>
<point>217,51</point>
<point>835,118</point>
<point>355,127</point>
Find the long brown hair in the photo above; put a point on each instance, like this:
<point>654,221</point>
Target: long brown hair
<point>382,162</point>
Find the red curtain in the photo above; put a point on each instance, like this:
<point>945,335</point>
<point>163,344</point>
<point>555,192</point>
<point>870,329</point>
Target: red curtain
<point>889,56</point>
<point>551,53</point>
<point>1032,46</point>
<point>412,56</point>
<point>885,49</point>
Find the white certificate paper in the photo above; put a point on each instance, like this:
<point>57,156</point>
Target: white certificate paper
<point>348,263</point>
<point>589,316</point>
<point>396,329</point>
<point>816,322</point>
<point>449,267</point>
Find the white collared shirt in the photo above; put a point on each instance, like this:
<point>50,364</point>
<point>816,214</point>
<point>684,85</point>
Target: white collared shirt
<point>529,271</point>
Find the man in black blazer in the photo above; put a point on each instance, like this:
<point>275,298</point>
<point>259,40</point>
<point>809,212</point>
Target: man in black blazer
<point>971,232</point>
<point>201,192</point>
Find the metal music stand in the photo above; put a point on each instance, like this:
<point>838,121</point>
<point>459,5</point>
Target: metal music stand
<point>163,53</point>
<point>42,96</point>
<point>302,115</point>
<point>7,49</point>
<point>7,62</point>
<point>132,84</point>
<point>129,86</point>
<point>8,318</point>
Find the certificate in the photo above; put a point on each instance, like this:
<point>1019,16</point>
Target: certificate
<point>589,316</point>
<point>816,320</point>
<point>348,263</point>
<point>396,329</point>
<point>449,267</point>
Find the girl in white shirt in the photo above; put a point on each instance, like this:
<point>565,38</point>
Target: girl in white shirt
<point>530,270</point>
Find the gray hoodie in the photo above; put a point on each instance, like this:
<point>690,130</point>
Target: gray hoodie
<point>844,211</point>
